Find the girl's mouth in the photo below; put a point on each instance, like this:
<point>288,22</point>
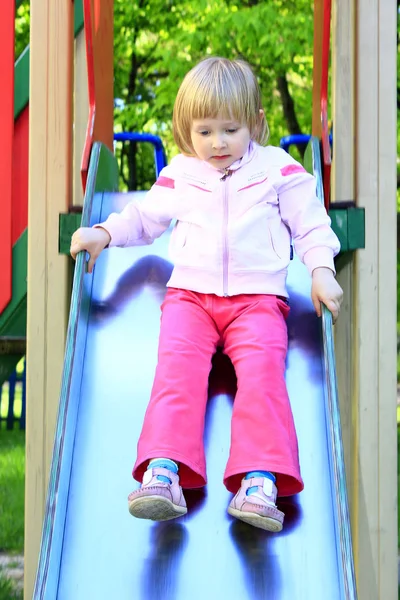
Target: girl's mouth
<point>221,157</point>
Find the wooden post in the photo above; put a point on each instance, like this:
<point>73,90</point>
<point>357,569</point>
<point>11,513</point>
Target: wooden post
<point>50,169</point>
<point>375,286</point>
<point>365,170</point>
<point>386,156</point>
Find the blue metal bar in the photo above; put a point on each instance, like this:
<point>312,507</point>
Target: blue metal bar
<point>159,153</point>
<point>298,138</point>
<point>292,140</point>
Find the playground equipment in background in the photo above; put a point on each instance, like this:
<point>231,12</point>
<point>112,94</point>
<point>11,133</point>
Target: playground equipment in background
<point>364,81</point>
<point>75,453</point>
<point>67,225</point>
<point>160,159</point>
<point>14,168</point>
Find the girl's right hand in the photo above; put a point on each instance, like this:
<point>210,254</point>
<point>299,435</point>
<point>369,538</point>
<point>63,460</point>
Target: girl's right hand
<point>93,240</point>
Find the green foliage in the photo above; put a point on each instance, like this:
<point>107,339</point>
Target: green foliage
<point>157,42</point>
<point>22,23</point>
<point>12,476</point>
<point>7,589</point>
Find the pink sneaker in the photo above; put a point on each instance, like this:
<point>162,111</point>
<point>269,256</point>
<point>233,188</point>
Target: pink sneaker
<point>258,509</point>
<point>157,500</point>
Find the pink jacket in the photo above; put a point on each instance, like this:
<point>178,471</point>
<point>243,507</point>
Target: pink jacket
<point>233,230</point>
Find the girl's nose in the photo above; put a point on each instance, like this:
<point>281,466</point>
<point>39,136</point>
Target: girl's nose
<point>219,142</point>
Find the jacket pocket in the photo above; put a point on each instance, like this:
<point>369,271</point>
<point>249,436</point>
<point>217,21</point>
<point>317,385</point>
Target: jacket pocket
<point>180,235</point>
<point>274,245</point>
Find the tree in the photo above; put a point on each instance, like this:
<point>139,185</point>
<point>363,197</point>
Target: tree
<point>22,23</point>
<point>156,43</point>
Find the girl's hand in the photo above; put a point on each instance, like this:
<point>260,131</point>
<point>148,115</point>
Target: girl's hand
<point>93,240</point>
<point>326,289</point>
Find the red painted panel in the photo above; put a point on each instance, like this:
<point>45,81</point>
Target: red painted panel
<point>7,27</point>
<point>20,172</point>
<point>88,23</point>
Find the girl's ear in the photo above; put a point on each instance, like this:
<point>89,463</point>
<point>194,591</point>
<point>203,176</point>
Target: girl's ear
<point>261,117</point>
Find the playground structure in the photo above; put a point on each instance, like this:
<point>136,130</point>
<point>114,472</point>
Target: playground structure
<point>363,171</point>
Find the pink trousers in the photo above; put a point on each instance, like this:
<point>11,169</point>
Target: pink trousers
<point>251,328</point>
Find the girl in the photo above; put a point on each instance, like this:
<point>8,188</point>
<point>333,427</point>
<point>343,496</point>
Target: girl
<point>237,205</point>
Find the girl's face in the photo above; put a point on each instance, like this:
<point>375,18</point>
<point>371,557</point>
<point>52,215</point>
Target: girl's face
<point>220,141</point>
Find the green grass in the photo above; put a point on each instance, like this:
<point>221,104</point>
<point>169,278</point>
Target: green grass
<point>12,488</point>
<point>12,484</point>
<point>7,589</point>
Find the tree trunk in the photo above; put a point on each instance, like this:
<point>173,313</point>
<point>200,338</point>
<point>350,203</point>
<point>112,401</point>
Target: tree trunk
<point>131,154</point>
<point>289,110</point>
<point>132,166</point>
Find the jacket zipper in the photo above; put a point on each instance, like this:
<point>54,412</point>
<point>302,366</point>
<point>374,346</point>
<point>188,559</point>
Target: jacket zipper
<point>225,247</point>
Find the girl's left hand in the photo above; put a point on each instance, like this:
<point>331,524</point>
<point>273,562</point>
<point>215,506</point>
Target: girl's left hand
<point>326,289</point>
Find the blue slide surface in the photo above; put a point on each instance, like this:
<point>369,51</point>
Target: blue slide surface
<point>91,547</point>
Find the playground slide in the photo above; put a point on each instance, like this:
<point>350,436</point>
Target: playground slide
<point>92,547</point>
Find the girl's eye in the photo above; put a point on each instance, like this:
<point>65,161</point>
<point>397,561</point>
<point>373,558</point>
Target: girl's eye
<point>203,133</point>
<point>231,130</point>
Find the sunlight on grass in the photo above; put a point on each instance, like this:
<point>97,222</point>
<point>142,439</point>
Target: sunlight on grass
<point>12,474</point>
<point>5,400</point>
<point>17,397</point>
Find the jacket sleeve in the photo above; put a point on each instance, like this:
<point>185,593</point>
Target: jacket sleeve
<point>304,214</point>
<point>142,221</point>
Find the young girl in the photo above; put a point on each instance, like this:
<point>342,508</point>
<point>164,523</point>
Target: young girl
<point>237,205</point>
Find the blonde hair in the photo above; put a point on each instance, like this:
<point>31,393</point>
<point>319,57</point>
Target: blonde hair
<point>218,86</point>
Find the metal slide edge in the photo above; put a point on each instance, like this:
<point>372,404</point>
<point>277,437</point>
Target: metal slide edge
<point>103,176</point>
<point>334,431</point>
